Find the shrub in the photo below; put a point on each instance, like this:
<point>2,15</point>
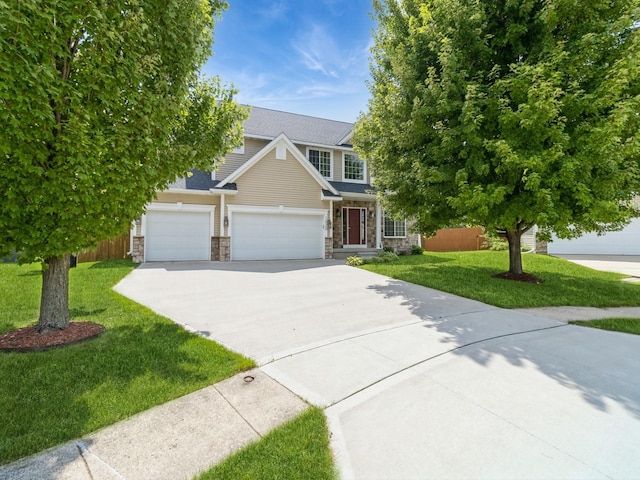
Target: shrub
<point>381,257</point>
<point>355,261</point>
<point>495,243</point>
<point>416,250</point>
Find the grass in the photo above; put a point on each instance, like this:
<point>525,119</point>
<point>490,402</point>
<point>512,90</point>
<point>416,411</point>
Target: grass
<point>141,360</point>
<point>297,449</point>
<point>625,325</point>
<point>469,274</point>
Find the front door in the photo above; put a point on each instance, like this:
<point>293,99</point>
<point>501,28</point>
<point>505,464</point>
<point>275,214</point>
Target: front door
<point>353,226</point>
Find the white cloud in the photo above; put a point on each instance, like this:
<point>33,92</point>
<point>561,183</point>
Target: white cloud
<point>276,11</point>
<point>318,50</point>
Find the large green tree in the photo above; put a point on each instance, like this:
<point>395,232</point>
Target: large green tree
<point>506,114</point>
<point>100,106</point>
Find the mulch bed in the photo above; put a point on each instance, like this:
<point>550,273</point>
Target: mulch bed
<point>523,277</point>
<point>29,340</point>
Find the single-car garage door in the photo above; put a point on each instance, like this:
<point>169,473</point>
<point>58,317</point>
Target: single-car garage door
<point>276,236</point>
<point>624,242</point>
<point>177,236</point>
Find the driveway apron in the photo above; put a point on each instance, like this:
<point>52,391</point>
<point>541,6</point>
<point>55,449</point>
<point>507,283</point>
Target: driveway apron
<point>418,383</point>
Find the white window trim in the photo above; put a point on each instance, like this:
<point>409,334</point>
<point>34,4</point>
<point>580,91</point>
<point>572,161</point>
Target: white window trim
<point>240,149</point>
<point>330,177</point>
<point>344,171</point>
<point>384,216</point>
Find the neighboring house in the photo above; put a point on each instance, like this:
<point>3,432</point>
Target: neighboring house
<point>294,190</point>
<point>623,242</point>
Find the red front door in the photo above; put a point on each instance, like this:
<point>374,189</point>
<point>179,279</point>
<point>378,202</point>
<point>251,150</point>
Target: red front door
<point>354,226</point>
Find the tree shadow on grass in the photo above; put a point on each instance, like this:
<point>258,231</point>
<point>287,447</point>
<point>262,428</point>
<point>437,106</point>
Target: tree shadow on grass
<point>30,273</point>
<point>76,313</point>
<point>113,264</point>
<point>62,394</point>
<point>556,289</point>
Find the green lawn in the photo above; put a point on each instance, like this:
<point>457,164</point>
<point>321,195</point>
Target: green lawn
<point>298,449</point>
<point>469,274</point>
<point>141,360</point>
<point>625,325</point>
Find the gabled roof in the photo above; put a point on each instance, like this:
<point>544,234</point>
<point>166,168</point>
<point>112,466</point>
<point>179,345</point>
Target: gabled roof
<point>280,139</point>
<point>265,123</point>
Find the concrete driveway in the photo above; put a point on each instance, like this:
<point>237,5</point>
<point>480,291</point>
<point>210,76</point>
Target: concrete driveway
<point>418,383</point>
<point>625,264</point>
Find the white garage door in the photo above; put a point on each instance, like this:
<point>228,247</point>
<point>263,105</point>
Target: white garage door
<point>177,236</point>
<point>624,242</point>
<point>276,236</point>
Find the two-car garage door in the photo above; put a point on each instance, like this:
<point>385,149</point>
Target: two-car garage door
<point>276,236</point>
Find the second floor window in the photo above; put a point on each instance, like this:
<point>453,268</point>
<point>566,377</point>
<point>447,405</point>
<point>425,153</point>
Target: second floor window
<point>353,167</point>
<point>321,159</point>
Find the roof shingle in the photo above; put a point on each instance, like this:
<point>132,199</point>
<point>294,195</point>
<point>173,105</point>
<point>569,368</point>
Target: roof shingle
<point>298,128</point>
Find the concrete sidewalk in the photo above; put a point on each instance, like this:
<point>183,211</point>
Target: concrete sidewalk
<point>173,441</point>
<point>568,314</point>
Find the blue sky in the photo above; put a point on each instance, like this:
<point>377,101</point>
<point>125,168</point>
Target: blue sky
<point>303,56</point>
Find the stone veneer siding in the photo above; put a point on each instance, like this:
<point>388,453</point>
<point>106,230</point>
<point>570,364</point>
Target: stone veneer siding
<point>221,249</point>
<point>137,255</point>
<point>328,248</point>
<point>541,247</point>
<point>402,244</point>
<point>371,222</point>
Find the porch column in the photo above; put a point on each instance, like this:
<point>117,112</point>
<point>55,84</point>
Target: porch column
<point>331,219</point>
<point>378,225</point>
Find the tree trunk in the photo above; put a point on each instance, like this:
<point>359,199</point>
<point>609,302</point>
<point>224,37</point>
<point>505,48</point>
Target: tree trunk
<point>54,302</point>
<point>515,252</point>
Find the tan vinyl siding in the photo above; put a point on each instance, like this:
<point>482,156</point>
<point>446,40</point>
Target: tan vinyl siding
<point>337,165</point>
<point>233,161</point>
<point>272,182</point>
<point>169,197</point>
<point>188,199</point>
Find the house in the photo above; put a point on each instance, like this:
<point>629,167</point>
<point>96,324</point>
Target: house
<point>623,242</point>
<point>295,189</point>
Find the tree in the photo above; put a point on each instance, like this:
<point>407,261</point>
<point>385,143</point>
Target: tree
<point>101,105</point>
<point>506,114</point>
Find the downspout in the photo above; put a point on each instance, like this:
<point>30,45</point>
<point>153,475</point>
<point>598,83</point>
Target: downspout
<point>222,215</point>
<point>331,219</point>
<point>378,226</point>
<point>132,233</point>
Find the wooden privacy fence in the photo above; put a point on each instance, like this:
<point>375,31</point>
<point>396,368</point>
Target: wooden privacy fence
<point>112,249</point>
<point>455,240</point>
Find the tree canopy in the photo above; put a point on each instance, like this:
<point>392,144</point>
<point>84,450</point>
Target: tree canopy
<point>506,114</point>
<point>102,105</point>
